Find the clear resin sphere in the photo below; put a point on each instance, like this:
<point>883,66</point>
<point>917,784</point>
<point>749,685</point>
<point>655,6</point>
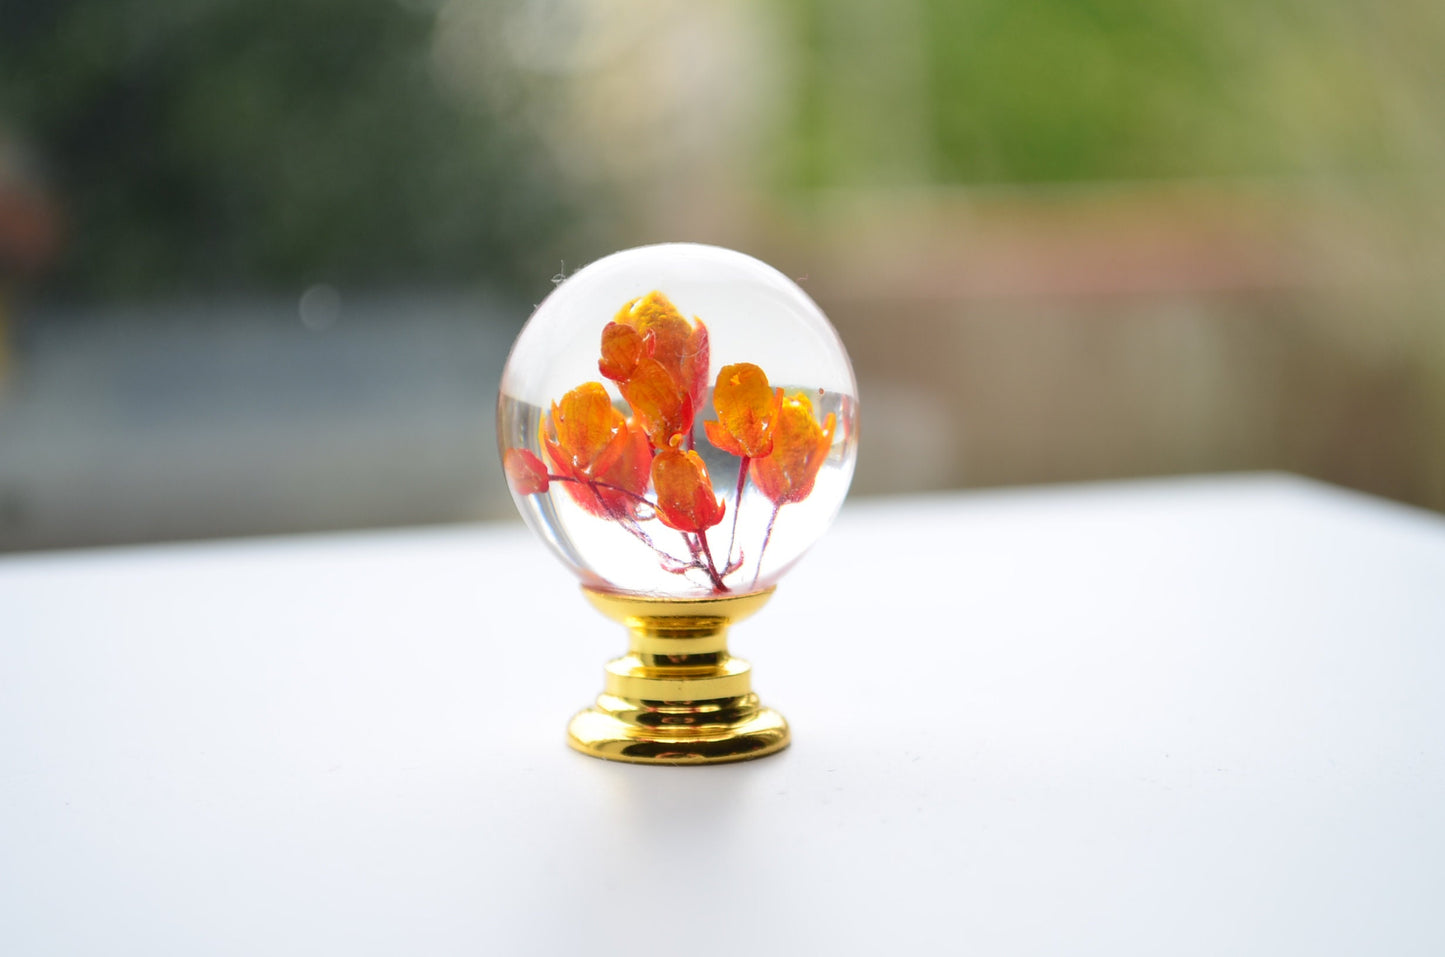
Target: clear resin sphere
<point>678,421</point>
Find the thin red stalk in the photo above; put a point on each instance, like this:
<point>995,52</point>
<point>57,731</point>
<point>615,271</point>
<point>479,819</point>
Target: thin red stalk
<point>640,535</point>
<point>629,525</point>
<point>766,538</point>
<point>737,506</point>
<point>632,528</point>
<point>636,531</point>
<point>595,484</point>
<point>717,582</point>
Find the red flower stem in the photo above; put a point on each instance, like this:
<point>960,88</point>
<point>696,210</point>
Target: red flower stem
<point>717,582</point>
<point>633,529</point>
<point>596,485</point>
<point>630,526</point>
<point>640,535</point>
<point>737,506</point>
<point>636,532</point>
<point>766,538</point>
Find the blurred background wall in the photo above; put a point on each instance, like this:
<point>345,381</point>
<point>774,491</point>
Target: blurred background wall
<point>261,261</point>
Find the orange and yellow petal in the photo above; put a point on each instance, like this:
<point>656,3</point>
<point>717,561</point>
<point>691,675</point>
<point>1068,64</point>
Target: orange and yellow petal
<point>654,313</point>
<point>722,438</point>
<point>588,441</point>
<point>629,472</point>
<point>660,406</point>
<point>746,408</point>
<point>656,319</point>
<point>696,360</point>
<point>584,424</point>
<point>685,499</point>
<point>622,348</point>
<point>682,346</point>
<point>800,447</point>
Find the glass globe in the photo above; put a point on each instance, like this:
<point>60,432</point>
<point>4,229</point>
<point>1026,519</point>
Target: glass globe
<point>678,421</point>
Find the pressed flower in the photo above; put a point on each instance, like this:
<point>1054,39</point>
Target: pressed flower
<point>620,486</point>
<point>685,499</point>
<point>605,458</point>
<point>681,345</point>
<point>746,410</point>
<point>800,446</point>
<point>525,471</point>
<point>583,428</point>
<point>622,348</point>
<point>662,409</point>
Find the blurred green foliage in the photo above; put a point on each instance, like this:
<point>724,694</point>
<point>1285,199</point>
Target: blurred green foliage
<point>1132,89</point>
<point>1058,91</point>
<point>223,144</point>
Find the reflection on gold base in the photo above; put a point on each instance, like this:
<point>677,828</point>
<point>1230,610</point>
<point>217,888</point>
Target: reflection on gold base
<point>677,697</point>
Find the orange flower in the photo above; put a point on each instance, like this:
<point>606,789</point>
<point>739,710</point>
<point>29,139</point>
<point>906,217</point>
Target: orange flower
<point>622,348</point>
<point>662,409</point>
<point>679,344</point>
<point>800,446</point>
<point>660,362</point>
<point>605,457</point>
<point>583,431</point>
<point>746,409</point>
<point>628,472</point>
<point>684,491</point>
<point>525,471</point>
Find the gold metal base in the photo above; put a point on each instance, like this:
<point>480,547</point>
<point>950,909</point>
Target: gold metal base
<point>677,697</point>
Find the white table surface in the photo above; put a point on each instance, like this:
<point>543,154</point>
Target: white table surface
<point>1179,717</point>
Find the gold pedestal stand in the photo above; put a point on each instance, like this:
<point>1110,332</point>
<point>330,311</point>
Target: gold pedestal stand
<point>677,697</point>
